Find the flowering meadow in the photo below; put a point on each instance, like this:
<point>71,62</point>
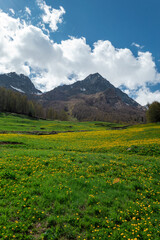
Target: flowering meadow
<point>89,183</point>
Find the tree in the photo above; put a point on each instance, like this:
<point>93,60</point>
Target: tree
<point>50,113</point>
<point>11,101</point>
<point>153,112</point>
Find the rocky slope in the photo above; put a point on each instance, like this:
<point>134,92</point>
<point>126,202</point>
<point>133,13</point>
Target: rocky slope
<point>19,83</point>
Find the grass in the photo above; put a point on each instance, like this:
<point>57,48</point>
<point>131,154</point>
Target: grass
<point>97,184</point>
<point>15,122</point>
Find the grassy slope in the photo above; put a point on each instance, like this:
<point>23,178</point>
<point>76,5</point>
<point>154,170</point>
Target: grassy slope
<point>99,184</point>
<point>14,122</point>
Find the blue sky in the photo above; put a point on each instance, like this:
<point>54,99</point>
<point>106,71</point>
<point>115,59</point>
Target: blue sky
<point>120,21</point>
<point>63,38</point>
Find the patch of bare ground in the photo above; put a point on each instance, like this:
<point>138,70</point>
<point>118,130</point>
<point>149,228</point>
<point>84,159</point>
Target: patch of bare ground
<point>39,132</point>
<point>11,143</point>
<point>39,229</point>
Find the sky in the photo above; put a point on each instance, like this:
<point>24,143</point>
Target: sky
<point>57,42</point>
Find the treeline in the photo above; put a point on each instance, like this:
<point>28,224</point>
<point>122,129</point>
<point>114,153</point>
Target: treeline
<point>83,112</point>
<point>11,101</point>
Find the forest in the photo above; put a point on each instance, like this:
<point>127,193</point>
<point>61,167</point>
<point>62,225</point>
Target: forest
<point>11,101</point>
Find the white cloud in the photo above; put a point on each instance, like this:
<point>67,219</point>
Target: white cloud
<point>145,96</point>
<point>12,11</point>
<point>137,45</point>
<point>27,10</point>
<point>26,49</point>
<point>127,91</point>
<point>51,16</point>
<point>121,67</point>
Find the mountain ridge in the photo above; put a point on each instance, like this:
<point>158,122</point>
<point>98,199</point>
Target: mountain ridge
<point>19,83</point>
<point>92,84</point>
<point>93,98</point>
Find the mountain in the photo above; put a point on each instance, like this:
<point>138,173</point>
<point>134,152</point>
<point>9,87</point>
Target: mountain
<point>91,85</point>
<point>19,83</point>
<point>94,98</point>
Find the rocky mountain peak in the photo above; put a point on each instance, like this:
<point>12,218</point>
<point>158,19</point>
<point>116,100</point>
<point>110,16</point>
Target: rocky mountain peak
<point>93,84</point>
<point>96,83</point>
<point>20,83</point>
<point>94,76</point>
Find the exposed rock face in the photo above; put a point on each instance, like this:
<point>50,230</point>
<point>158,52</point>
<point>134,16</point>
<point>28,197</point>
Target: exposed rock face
<point>19,83</point>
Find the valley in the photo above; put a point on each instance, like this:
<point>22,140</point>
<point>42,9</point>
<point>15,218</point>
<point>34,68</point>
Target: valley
<point>92,183</point>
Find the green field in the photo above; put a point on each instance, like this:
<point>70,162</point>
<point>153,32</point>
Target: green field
<point>86,181</point>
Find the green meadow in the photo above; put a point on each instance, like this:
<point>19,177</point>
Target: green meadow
<point>88,180</point>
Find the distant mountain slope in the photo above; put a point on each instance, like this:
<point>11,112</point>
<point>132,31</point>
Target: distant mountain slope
<point>94,98</point>
<point>19,83</point>
<point>93,84</point>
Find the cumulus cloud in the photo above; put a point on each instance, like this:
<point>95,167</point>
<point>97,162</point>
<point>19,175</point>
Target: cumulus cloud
<point>28,11</point>
<point>51,16</point>
<point>26,49</point>
<point>144,96</point>
<point>122,68</point>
